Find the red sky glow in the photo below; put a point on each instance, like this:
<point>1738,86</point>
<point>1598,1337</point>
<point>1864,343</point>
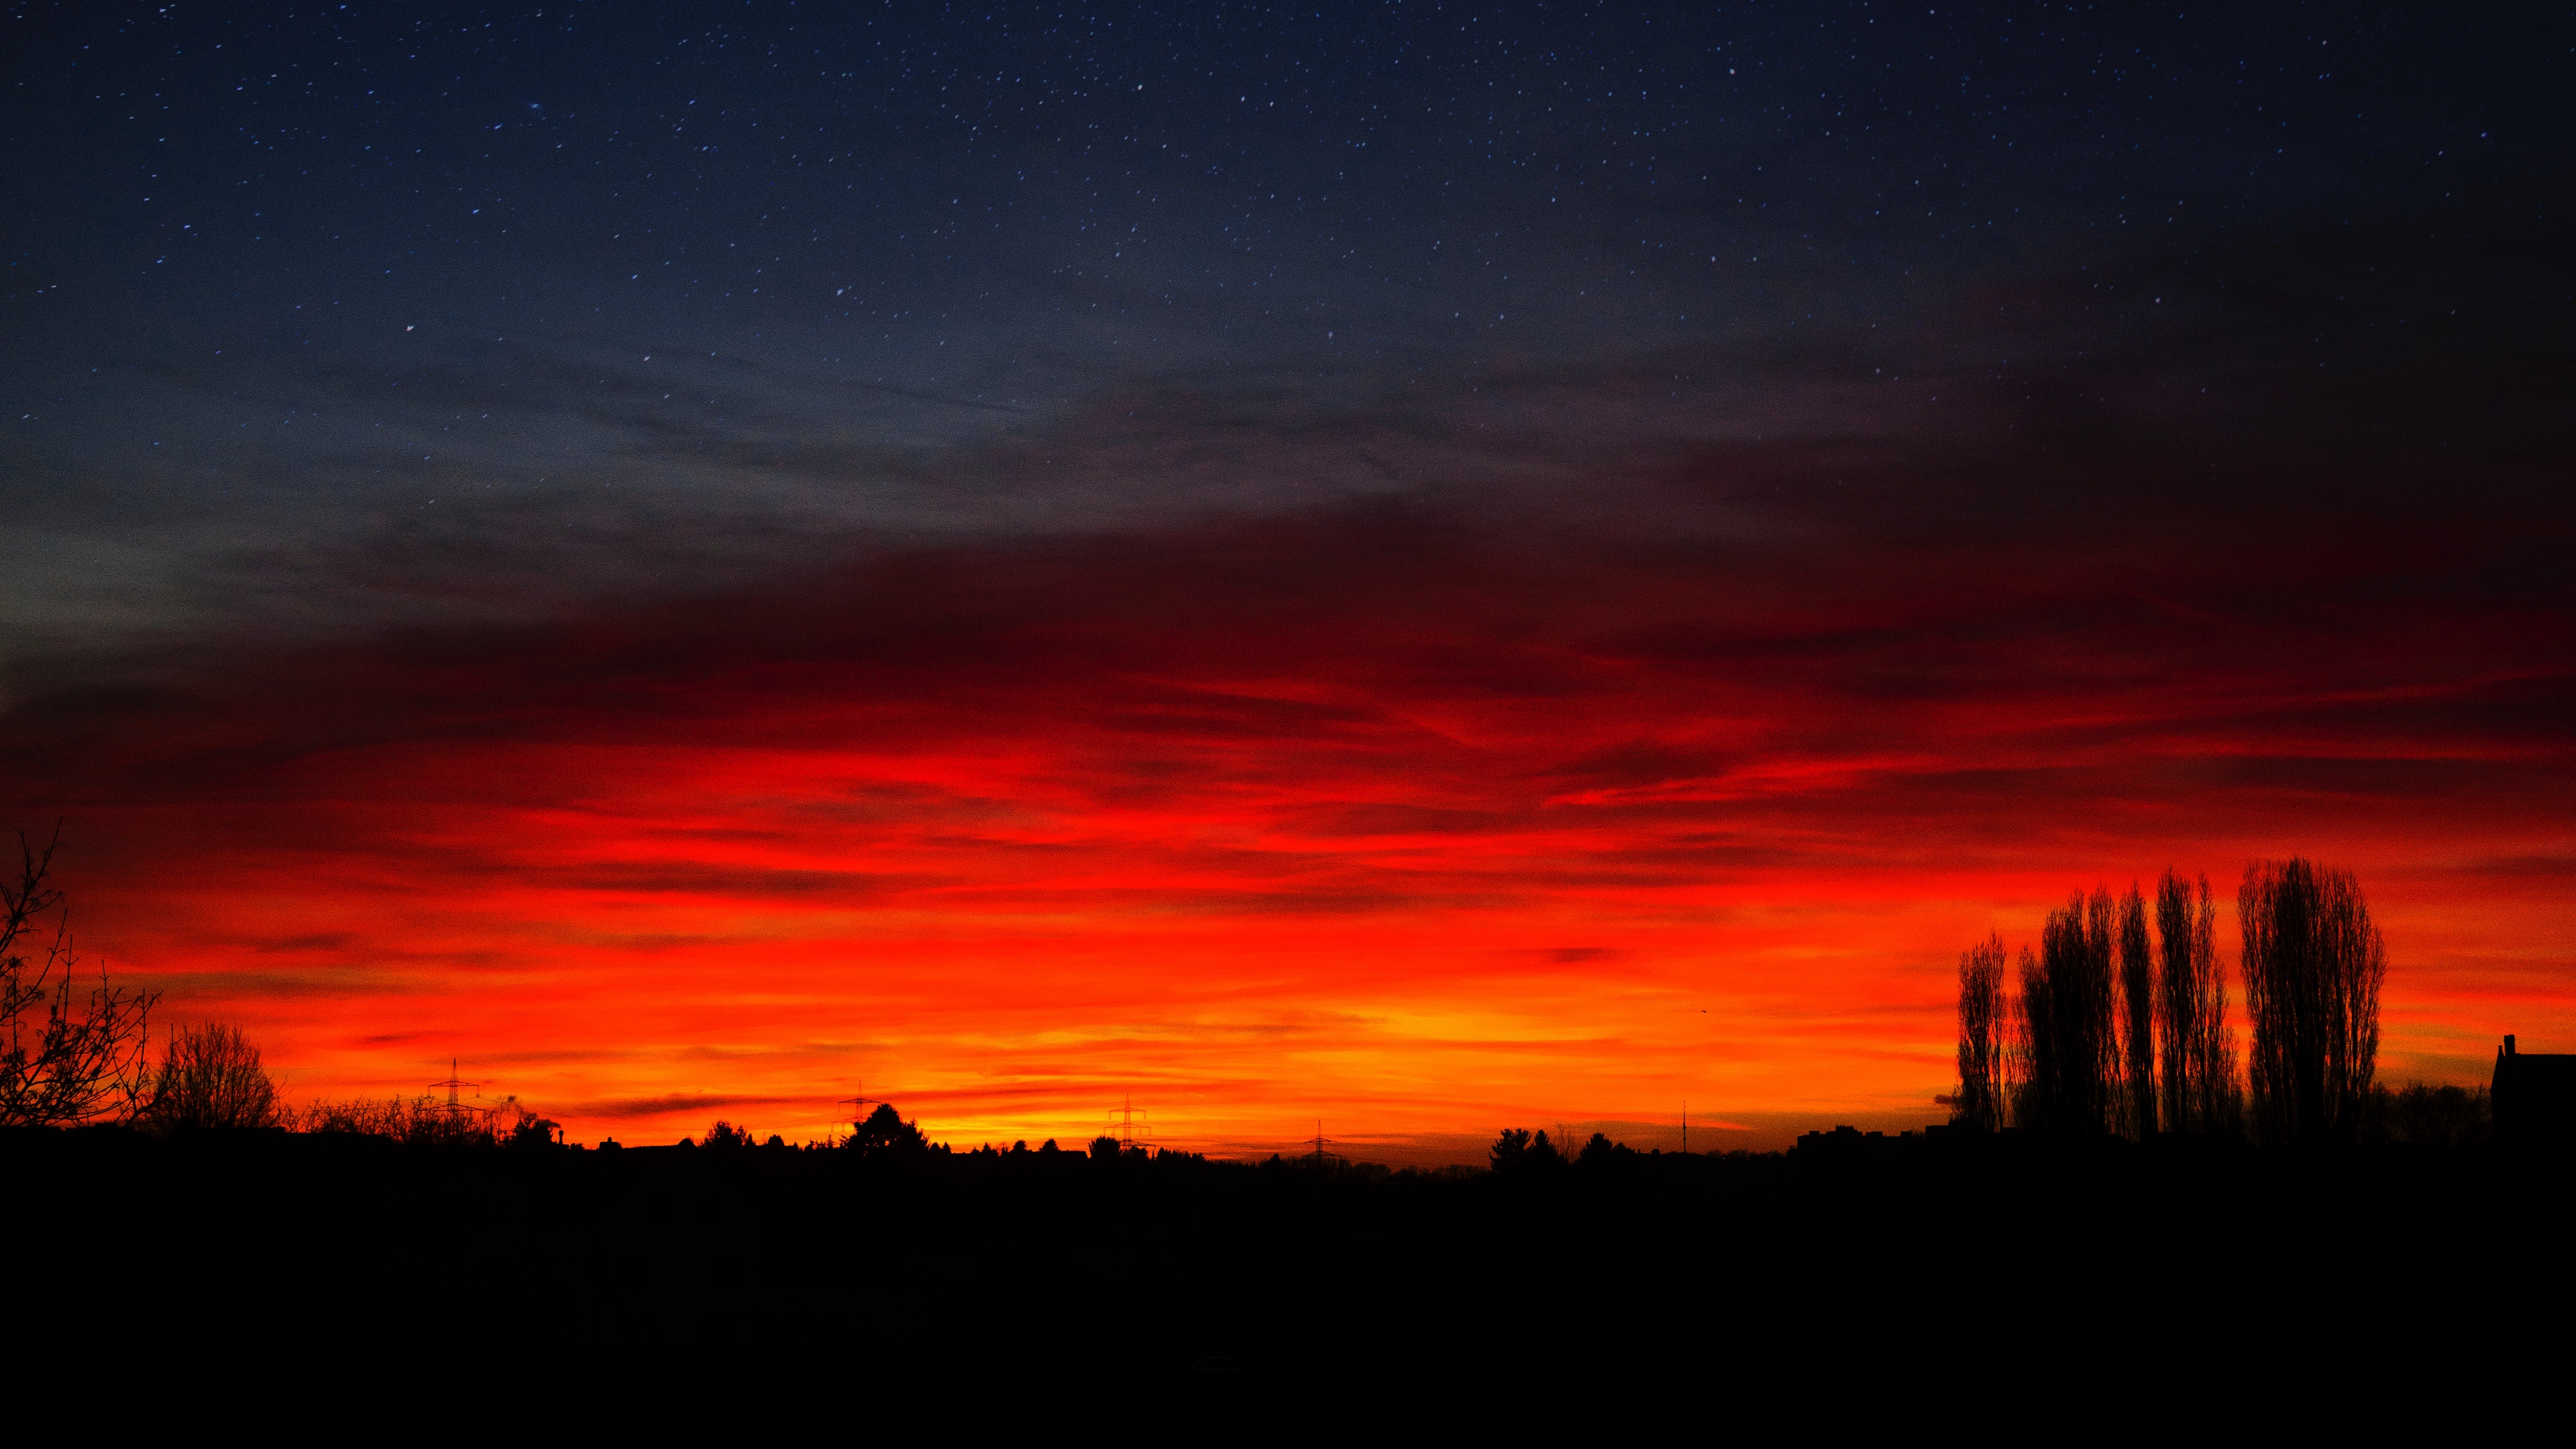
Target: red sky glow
<point>1415,835</point>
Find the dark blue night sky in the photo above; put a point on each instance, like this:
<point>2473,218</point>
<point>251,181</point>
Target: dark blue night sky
<point>332,316</point>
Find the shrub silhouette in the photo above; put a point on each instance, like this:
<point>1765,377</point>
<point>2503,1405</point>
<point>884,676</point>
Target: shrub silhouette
<point>210,1077</point>
<point>2430,1116</point>
<point>419,1121</point>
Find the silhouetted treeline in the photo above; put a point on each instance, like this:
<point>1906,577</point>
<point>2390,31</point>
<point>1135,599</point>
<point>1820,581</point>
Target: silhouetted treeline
<point>2117,1030</point>
<point>2428,1116</point>
<point>1012,1267</point>
<point>72,1056</point>
<point>1520,1154</point>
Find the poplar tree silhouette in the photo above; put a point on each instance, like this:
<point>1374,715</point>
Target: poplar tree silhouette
<point>1979,1106</point>
<point>2110,1027</point>
<point>2198,1060</point>
<point>2035,1090</point>
<point>2066,1009</point>
<point>2138,1012</point>
<point>2313,965</point>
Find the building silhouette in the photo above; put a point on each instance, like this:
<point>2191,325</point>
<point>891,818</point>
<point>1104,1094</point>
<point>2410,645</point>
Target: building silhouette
<point>2534,1095</point>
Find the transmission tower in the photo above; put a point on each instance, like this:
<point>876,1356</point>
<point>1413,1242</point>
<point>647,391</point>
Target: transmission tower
<point>858,1104</point>
<point>456,1108</point>
<point>1124,1121</point>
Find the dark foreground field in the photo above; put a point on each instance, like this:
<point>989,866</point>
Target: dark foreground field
<point>1974,1276</point>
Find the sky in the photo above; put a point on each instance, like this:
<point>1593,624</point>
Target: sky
<point>1383,570</point>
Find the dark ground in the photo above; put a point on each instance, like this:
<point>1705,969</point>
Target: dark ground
<point>1974,1277</point>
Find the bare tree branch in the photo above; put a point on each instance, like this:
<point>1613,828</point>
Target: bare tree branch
<point>62,1062</point>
